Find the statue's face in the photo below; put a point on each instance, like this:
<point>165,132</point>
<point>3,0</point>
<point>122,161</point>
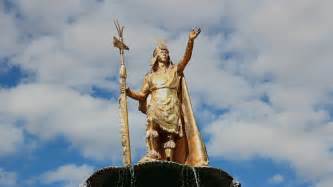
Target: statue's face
<point>163,55</point>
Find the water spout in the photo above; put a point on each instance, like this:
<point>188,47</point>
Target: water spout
<point>197,181</point>
<point>131,169</point>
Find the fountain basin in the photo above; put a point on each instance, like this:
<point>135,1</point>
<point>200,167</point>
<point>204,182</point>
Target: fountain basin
<point>162,173</point>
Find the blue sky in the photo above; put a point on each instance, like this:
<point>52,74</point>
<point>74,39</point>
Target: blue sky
<point>260,81</point>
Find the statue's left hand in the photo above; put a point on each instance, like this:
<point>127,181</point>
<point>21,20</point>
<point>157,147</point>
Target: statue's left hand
<point>194,33</point>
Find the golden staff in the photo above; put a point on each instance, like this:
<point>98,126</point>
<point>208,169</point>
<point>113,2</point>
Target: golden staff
<point>125,139</point>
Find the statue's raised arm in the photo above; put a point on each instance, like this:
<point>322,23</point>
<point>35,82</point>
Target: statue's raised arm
<point>188,51</point>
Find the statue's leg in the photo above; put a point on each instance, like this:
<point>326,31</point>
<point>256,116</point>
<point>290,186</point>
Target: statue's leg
<point>169,147</point>
<point>152,139</point>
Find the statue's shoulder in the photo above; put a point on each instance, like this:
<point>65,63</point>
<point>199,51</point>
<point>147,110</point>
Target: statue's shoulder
<point>148,75</point>
<point>173,67</point>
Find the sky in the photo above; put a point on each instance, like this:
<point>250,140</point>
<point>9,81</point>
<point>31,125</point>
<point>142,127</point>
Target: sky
<point>260,79</point>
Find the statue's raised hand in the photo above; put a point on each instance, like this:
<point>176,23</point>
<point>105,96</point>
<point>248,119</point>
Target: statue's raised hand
<point>194,33</point>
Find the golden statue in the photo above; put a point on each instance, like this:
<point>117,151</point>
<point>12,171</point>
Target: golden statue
<point>172,133</point>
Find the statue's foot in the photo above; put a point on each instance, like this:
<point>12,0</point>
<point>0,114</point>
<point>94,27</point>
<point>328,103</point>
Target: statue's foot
<point>150,157</point>
<point>146,159</point>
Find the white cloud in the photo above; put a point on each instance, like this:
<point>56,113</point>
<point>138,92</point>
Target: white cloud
<point>173,15</point>
<point>7,178</point>
<point>257,130</point>
<point>68,175</point>
<point>289,44</point>
<point>326,182</point>
<point>89,123</point>
<point>9,34</point>
<point>51,17</point>
<point>51,111</point>
<point>276,179</point>
<point>11,138</point>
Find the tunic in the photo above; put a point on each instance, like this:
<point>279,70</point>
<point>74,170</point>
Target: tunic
<point>163,109</point>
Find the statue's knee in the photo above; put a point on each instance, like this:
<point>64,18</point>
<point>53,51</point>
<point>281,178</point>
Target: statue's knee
<point>152,133</point>
<point>169,147</point>
<point>169,144</point>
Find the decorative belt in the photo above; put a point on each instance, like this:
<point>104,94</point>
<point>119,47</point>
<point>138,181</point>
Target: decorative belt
<point>163,88</point>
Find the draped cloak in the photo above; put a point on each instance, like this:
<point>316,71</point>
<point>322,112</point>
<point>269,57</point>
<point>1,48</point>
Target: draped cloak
<point>190,148</point>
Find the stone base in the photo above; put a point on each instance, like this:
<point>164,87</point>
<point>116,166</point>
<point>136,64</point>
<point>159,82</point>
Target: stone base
<point>152,174</point>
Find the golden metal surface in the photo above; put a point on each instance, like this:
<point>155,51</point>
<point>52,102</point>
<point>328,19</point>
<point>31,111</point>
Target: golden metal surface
<point>125,139</point>
<point>172,133</point>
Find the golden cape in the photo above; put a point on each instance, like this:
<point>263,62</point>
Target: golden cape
<point>190,149</point>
